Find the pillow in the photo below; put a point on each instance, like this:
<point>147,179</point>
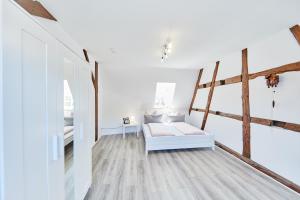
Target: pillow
<point>155,112</point>
<point>176,118</point>
<point>152,119</point>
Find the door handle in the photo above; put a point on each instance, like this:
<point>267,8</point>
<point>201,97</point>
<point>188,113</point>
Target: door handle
<point>55,146</point>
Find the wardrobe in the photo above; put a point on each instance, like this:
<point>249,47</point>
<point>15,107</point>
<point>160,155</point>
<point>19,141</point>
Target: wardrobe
<point>33,113</point>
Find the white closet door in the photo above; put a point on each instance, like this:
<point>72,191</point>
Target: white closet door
<point>83,154</point>
<point>55,117</point>
<point>30,110</point>
<point>34,66</point>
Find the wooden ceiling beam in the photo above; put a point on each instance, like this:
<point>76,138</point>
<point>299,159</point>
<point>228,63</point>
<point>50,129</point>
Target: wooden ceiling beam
<point>35,8</point>
<point>296,32</point>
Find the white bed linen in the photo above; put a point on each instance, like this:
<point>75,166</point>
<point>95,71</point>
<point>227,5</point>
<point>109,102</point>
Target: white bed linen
<point>68,134</point>
<point>68,129</point>
<point>187,129</point>
<point>162,129</point>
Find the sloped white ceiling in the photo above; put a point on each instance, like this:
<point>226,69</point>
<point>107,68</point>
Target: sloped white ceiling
<point>130,33</point>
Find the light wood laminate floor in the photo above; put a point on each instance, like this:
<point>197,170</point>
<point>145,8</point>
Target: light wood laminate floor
<point>69,172</point>
<point>121,171</point>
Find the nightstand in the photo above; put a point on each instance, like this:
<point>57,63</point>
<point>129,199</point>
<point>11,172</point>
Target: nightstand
<point>130,125</point>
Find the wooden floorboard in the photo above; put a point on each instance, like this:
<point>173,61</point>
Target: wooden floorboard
<point>121,171</point>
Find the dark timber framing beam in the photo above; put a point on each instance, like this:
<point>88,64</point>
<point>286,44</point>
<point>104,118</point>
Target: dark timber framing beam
<point>246,105</point>
<point>86,55</point>
<point>96,86</point>
<point>210,95</point>
<point>222,114</point>
<point>296,32</point>
<point>35,8</point>
<point>291,67</point>
<point>93,80</point>
<point>276,123</point>
<point>255,120</point>
<point>195,90</point>
<point>234,79</point>
<point>261,168</point>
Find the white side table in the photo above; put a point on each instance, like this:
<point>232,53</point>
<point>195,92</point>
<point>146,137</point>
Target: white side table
<point>130,125</point>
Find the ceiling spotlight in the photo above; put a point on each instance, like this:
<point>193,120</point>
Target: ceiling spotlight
<point>166,50</point>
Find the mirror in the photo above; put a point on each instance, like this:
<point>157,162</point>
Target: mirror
<point>69,129</point>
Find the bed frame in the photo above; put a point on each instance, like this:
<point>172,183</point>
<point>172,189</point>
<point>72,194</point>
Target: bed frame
<point>177,142</point>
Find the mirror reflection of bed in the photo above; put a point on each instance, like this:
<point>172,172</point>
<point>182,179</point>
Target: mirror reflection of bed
<point>69,130</point>
<point>68,125</point>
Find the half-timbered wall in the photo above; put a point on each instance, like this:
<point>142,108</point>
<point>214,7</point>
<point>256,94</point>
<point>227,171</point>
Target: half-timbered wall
<point>275,148</point>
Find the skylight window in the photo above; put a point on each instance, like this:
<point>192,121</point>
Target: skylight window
<point>164,95</point>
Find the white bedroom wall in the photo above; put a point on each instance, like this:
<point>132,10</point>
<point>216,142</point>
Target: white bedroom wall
<point>275,148</point>
<point>131,92</point>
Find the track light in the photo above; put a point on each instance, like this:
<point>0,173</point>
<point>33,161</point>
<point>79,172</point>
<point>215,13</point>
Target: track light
<point>166,50</point>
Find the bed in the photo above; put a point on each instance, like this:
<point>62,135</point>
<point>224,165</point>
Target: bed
<point>175,135</point>
<point>68,134</point>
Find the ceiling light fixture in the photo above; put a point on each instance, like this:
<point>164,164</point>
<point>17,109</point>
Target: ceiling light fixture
<point>166,50</point>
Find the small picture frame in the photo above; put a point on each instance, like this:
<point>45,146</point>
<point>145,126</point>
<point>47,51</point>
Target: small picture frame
<point>126,120</point>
